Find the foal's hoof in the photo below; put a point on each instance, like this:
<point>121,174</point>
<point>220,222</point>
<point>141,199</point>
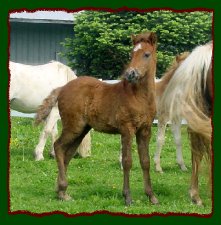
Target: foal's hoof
<point>128,202</point>
<point>64,197</point>
<point>154,200</point>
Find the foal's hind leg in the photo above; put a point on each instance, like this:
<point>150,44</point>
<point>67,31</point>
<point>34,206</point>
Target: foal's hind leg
<point>143,138</point>
<point>65,148</point>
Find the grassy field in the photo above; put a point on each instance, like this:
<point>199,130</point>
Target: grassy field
<point>95,183</point>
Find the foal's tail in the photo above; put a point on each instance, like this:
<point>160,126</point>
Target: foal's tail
<point>47,105</point>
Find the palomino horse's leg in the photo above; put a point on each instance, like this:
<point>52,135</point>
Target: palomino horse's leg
<point>120,157</point>
<point>65,148</point>
<point>143,138</point>
<point>176,129</point>
<point>48,129</point>
<point>197,155</point>
<point>160,141</point>
<point>126,140</point>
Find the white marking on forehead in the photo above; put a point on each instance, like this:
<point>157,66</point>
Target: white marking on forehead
<point>137,47</point>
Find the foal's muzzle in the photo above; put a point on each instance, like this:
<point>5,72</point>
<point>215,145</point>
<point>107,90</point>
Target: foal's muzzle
<point>131,75</point>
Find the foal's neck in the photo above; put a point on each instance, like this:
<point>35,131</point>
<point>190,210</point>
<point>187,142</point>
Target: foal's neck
<point>144,87</point>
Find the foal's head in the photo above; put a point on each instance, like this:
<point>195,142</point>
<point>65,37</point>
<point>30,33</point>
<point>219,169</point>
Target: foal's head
<point>143,58</point>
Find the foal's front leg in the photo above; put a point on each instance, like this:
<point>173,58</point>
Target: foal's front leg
<point>126,141</point>
<point>143,138</point>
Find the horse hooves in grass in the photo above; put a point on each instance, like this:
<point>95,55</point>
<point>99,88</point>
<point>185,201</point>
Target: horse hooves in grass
<point>128,202</point>
<point>64,197</point>
<point>38,157</point>
<point>159,170</point>
<point>154,200</point>
<point>183,168</point>
<point>52,153</point>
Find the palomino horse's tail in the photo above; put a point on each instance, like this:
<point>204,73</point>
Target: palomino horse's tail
<point>185,93</point>
<point>47,105</point>
<point>198,122</point>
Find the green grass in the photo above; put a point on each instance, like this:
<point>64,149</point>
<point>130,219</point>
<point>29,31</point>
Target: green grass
<point>95,183</point>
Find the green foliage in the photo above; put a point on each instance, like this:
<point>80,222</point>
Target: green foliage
<point>95,183</point>
<point>102,43</point>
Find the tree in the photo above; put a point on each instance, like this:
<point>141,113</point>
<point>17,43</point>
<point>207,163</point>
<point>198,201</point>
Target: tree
<point>102,42</point>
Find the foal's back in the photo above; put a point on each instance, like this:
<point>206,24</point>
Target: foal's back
<point>105,107</point>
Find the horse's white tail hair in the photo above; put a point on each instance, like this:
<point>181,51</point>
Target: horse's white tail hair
<point>184,91</point>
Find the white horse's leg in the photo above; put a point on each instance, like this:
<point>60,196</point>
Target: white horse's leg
<point>176,130</point>
<point>120,157</point>
<point>84,149</point>
<point>38,152</point>
<point>160,141</point>
<point>48,129</point>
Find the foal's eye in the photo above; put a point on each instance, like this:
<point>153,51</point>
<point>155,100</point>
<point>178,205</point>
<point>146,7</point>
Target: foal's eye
<point>146,54</point>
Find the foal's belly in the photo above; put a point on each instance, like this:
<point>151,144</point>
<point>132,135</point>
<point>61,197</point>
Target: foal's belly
<point>103,127</point>
<point>107,130</point>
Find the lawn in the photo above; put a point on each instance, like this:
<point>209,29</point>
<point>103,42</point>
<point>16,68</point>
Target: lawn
<point>95,183</point>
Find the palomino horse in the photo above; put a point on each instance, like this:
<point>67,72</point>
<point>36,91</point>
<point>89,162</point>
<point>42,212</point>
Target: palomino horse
<point>189,95</point>
<point>163,118</point>
<point>29,85</point>
<point>127,108</point>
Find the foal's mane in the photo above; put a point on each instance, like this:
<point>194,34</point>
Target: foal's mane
<point>148,37</point>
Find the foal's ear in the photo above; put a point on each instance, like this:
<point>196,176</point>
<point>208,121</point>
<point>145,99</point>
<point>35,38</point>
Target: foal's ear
<point>153,38</point>
<point>133,38</point>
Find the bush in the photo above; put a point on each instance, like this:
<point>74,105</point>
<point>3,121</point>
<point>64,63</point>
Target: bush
<point>102,42</point>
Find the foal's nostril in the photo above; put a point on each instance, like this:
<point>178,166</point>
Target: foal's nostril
<point>131,75</point>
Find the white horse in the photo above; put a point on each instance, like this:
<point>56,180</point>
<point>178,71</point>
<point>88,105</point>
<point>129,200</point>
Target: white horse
<point>29,86</point>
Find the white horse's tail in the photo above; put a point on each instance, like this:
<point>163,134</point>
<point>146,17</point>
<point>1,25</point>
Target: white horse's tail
<point>47,105</point>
